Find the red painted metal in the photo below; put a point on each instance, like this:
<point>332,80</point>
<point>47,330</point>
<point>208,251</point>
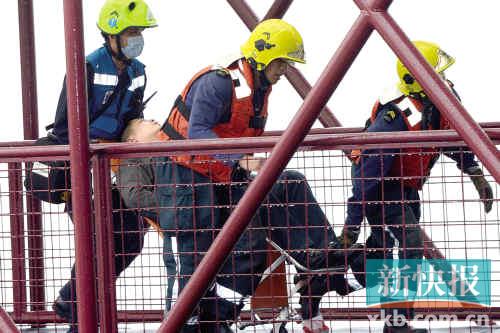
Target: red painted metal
<point>338,138</point>
<point>17,237</point>
<point>290,140</point>
<point>79,155</point>
<point>294,76</point>
<point>152,316</point>
<point>30,126</point>
<point>437,90</point>
<point>105,251</point>
<point>278,9</point>
<point>6,323</point>
<point>64,150</point>
<point>28,69</point>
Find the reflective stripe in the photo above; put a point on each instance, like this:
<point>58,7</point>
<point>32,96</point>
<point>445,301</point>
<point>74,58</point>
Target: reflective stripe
<point>243,90</point>
<point>415,117</point>
<point>175,254</point>
<point>352,281</point>
<point>40,169</point>
<point>105,79</point>
<point>138,82</point>
<point>228,294</point>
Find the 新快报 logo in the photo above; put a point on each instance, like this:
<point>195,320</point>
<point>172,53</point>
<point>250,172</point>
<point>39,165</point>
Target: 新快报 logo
<point>424,283</point>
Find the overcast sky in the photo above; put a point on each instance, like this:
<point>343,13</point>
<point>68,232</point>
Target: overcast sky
<point>192,34</point>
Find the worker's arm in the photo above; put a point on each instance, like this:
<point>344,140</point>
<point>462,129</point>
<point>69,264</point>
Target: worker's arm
<point>372,167</point>
<point>135,180</point>
<point>209,100</point>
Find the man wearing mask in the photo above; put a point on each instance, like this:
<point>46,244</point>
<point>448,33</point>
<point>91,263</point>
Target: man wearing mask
<point>116,82</point>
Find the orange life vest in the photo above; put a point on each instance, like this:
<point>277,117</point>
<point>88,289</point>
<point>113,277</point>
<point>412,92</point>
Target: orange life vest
<point>244,121</point>
<point>413,165</point>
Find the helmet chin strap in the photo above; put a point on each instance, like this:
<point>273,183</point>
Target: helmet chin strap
<point>117,55</point>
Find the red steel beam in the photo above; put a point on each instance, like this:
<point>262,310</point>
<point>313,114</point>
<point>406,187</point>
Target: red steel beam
<point>294,76</point>
<point>436,88</point>
<point>328,130</point>
<point>76,84</point>
<point>153,316</point>
<point>104,244</point>
<point>280,156</point>
<point>7,325</point>
<point>30,125</point>
<point>278,9</point>
<point>333,138</point>
<point>17,237</point>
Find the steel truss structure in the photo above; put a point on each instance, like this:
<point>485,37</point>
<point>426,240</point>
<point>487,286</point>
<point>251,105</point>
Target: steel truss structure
<point>480,138</point>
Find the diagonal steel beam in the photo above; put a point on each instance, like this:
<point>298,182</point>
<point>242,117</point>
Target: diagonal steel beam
<point>279,158</point>
<point>7,325</point>
<point>435,87</point>
<point>296,79</point>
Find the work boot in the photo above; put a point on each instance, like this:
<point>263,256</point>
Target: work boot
<point>323,329</point>
<point>192,326</point>
<point>67,311</point>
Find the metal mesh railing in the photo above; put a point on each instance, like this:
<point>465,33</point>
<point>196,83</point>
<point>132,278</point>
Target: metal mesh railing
<point>299,216</point>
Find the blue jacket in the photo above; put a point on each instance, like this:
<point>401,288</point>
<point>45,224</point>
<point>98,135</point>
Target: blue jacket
<point>113,99</point>
<point>376,163</point>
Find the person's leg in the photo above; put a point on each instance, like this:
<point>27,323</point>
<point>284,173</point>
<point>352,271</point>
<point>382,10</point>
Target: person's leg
<point>65,304</point>
<point>128,233</point>
<point>399,230</point>
<point>171,268</point>
<point>186,211</point>
<point>241,272</point>
<point>299,226</point>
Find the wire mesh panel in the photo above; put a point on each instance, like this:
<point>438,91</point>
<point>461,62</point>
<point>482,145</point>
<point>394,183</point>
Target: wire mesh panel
<point>288,267</point>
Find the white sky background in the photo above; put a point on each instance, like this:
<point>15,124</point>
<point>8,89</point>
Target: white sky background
<point>193,34</point>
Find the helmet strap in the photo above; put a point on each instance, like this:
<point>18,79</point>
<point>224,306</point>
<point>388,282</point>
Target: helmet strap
<point>117,55</point>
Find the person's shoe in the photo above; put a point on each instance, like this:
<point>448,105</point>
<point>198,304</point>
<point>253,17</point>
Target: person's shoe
<point>323,329</point>
<point>191,326</point>
<point>66,310</point>
<point>315,325</point>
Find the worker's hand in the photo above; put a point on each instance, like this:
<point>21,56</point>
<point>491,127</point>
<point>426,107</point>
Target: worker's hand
<point>251,163</point>
<point>483,188</point>
<point>348,236</point>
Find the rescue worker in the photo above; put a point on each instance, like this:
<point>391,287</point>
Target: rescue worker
<point>116,82</point>
<point>386,181</point>
<point>230,101</point>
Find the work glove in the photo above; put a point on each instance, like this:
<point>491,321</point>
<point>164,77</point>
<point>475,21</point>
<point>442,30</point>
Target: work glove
<point>348,236</point>
<point>482,187</point>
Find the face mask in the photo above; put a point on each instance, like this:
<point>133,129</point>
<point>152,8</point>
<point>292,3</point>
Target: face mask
<point>134,47</point>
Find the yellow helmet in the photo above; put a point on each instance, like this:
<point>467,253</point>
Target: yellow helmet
<point>119,15</point>
<point>437,58</point>
<point>273,39</point>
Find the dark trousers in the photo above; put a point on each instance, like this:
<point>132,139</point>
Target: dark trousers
<point>194,209</point>
<point>128,235</point>
<point>396,226</point>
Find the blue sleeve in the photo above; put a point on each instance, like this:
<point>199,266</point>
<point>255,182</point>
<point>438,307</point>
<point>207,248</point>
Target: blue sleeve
<point>464,159</point>
<point>373,165</point>
<point>209,100</point>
